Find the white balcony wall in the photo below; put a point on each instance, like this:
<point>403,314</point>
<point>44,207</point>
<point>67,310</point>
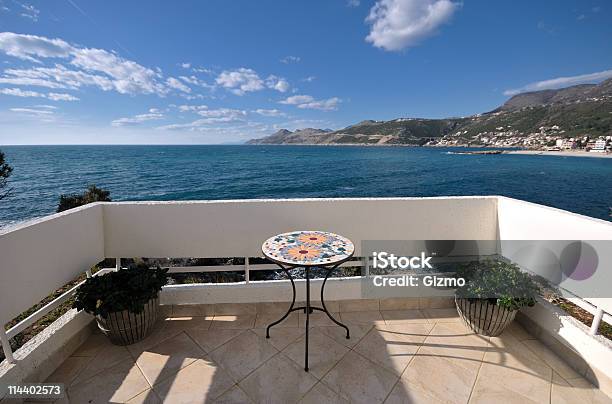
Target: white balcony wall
<point>238,228</point>
<point>520,220</point>
<point>41,256</point>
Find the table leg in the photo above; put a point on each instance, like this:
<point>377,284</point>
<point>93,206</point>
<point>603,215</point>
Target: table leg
<point>290,307</point>
<point>307,315</point>
<point>329,271</point>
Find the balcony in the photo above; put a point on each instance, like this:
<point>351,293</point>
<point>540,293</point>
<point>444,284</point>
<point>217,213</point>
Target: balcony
<point>210,345</point>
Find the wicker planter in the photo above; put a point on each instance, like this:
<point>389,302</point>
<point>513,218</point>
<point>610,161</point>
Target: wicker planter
<point>483,317</point>
<point>125,328</point>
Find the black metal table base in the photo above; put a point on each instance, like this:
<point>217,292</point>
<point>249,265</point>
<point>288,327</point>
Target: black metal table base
<point>308,309</point>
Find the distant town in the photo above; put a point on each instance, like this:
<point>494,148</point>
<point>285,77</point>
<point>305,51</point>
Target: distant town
<point>549,138</point>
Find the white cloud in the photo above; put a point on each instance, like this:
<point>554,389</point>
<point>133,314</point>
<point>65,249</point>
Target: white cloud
<point>57,76</point>
<point>27,46</point>
<point>290,59</point>
<point>186,65</point>
<point>277,83</point>
<point>398,24</point>
<point>209,117</point>
<point>61,97</point>
<point>29,11</point>
<point>177,85</point>
<point>97,67</point>
<point>240,81</point>
<point>297,99</point>
<point>225,113</point>
<point>193,80</point>
<point>353,3</point>
<point>309,79</point>
<point>202,70</point>
<point>308,102</point>
<point>32,111</point>
<point>152,115</point>
<point>561,82</point>
<point>243,80</point>
<point>17,92</point>
<point>269,112</point>
<point>192,108</point>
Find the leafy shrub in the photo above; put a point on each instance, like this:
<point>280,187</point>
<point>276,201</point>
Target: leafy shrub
<point>501,283</point>
<point>5,173</point>
<point>127,289</point>
<point>93,194</point>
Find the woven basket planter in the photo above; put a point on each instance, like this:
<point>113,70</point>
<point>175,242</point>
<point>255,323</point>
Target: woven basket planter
<point>483,317</point>
<point>125,328</point>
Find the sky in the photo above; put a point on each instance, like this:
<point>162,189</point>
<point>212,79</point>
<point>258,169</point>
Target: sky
<point>225,71</point>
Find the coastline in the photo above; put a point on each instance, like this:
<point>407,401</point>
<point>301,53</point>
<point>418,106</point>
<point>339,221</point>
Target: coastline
<point>574,153</point>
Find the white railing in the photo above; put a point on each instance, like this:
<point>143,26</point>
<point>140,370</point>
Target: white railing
<point>42,256</point>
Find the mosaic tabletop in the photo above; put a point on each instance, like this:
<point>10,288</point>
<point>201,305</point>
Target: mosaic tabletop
<point>308,248</point>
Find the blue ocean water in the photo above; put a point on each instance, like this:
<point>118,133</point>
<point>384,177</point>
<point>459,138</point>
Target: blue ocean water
<point>42,173</point>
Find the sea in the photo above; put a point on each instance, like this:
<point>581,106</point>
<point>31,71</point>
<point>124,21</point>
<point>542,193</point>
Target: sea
<point>198,172</point>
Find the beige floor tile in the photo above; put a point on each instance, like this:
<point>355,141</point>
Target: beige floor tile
<point>92,345</point>
<point>318,319</point>
<point>235,395</point>
<point>551,359</point>
<point>243,354</point>
<point>146,397</point>
<point>200,382</point>
<point>436,302</point>
<point>323,352</point>
<point>116,384</point>
<point>564,393</point>
<point>512,380</point>
<point>393,346</point>
<point>359,380</point>
<point>272,307</point>
<point>444,379</point>
<point>68,370</point>
<point>167,358</point>
<point>442,315</point>
<point>160,333</point>
<point>455,342</point>
<point>399,303</point>
<point>188,323</point>
<point>362,317</point>
<point>223,309</point>
<point>209,340</point>
<point>405,393</point>
<point>280,337</point>
<point>395,317</point>
<point>106,357</point>
<point>321,394</point>
<point>279,380</point>
<point>239,321</point>
<point>507,351</point>
<point>357,332</point>
<point>263,320</point>
<point>519,332</point>
<point>164,311</point>
<point>190,310</point>
<point>358,305</point>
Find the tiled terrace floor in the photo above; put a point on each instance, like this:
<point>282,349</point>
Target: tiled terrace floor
<point>401,356</point>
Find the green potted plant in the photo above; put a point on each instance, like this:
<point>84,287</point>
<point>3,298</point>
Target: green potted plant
<point>494,291</point>
<point>124,303</point>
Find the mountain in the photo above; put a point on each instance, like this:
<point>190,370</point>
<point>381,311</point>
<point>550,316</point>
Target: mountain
<point>284,136</point>
<point>526,119</point>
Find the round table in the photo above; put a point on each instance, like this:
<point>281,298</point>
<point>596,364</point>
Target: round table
<point>308,249</point>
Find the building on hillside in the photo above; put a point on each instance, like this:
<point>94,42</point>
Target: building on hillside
<point>599,146</point>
